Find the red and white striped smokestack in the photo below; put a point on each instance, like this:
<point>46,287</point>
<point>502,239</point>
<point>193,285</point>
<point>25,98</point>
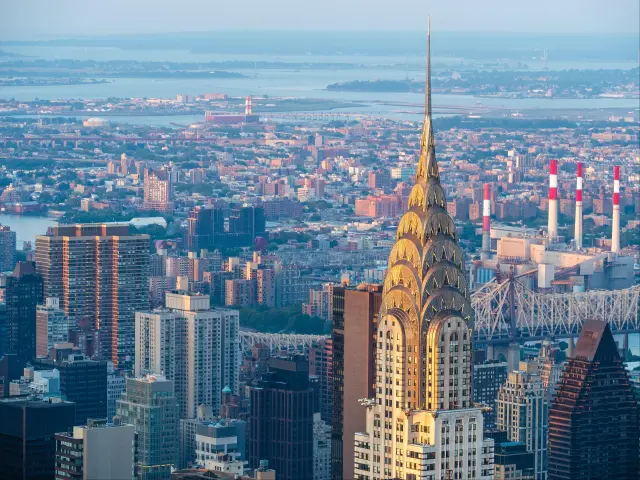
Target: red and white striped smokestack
<point>578,231</point>
<point>552,229</point>
<point>248,107</point>
<point>486,222</point>
<point>615,221</point>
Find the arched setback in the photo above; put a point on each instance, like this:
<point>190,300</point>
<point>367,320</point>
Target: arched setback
<point>405,249</point>
<point>403,274</point>
<point>443,274</point>
<point>439,248</point>
<point>448,354</point>
<point>410,223</point>
<point>390,363</point>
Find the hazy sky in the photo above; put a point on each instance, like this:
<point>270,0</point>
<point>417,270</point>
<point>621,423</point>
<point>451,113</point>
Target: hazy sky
<point>31,19</point>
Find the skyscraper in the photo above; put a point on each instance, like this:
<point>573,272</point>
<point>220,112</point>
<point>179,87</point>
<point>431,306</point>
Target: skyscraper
<point>355,317</point>
<point>202,224</point>
<point>193,345</point>
<point>116,384</point>
<point>84,382</point>
<point>248,221</point>
<point>96,450</point>
<point>593,419</point>
<point>23,294</point>
<point>421,425</point>
<point>7,248</point>
<point>281,420</point>
<point>522,412</point>
<point>320,358</point>
<point>156,341</point>
<point>27,436</point>
<point>488,377</point>
<point>211,351</point>
<point>52,326</point>
<point>151,407</point>
<point>158,191</point>
<point>99,273</point>
<point>337,380</point>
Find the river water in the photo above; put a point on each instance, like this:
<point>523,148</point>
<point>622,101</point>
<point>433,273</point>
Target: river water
<point>26,227</point>
<point>307,83</point>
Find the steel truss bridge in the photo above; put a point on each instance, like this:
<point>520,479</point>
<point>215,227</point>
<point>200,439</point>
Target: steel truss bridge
<point>278,341</point>
<point>509,311</point>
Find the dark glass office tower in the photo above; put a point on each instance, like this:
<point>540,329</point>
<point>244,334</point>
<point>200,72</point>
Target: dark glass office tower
<point>593,419</point>
<point>24,292</point>
<point>245,224</point>
<point>27,436</point>
<point>281,420</point>
<point>84,382</point>
<point>203,223</point>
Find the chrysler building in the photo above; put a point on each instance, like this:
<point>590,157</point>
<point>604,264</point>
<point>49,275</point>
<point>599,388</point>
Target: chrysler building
<point>421,425</point>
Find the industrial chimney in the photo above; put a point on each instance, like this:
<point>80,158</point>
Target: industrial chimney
<point>486,222</point>
<point>615,223</point>
<point>248,108</point>
<point>578,231</point>
<point>552,229</point>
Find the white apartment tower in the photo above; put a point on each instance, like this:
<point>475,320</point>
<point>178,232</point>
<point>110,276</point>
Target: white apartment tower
<point>421,425</point>
<point>192,344</point>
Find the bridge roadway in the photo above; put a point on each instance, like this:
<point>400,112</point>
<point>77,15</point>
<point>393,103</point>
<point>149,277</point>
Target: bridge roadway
<point>536,316</point>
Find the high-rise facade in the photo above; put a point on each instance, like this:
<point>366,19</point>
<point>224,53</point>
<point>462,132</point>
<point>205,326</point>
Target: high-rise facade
<point>337,381</point>
<point>99,273</point>
<point>593,419</point>
<point>84,382</point>
<point>211,352</point>
<point>158,191</point>
<point>7,248</point>
<point>281,420</point>
<point>551,366</point>
<point>116,384</point>
<point>522,412</point>
<point>320,365</point>
<point>23,293</point>
<point>188,427</point>
<point>192,344</point>
<point>247,220</point>
<point>156,343</point>
<point>150,405</point>
<point>203,224</point>
<point>488,377</point>
<point>420,424</point>
<point>52,326</point>
<point>321,448</point>
<point>96,450</point>
<point>355,317</point>
<point>27,436</point>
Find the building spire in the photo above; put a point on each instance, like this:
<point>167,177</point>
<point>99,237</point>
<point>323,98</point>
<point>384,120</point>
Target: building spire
<point>427,90</point>
<point>427,165</point>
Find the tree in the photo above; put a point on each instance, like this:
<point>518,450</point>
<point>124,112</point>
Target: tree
<point>45,197</point>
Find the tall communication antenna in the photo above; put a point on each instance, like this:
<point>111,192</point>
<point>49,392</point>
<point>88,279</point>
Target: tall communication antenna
<point>544,60</point>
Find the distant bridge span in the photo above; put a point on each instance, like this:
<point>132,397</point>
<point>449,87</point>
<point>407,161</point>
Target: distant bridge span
<point>278,341</point>
<point>536,315</point>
